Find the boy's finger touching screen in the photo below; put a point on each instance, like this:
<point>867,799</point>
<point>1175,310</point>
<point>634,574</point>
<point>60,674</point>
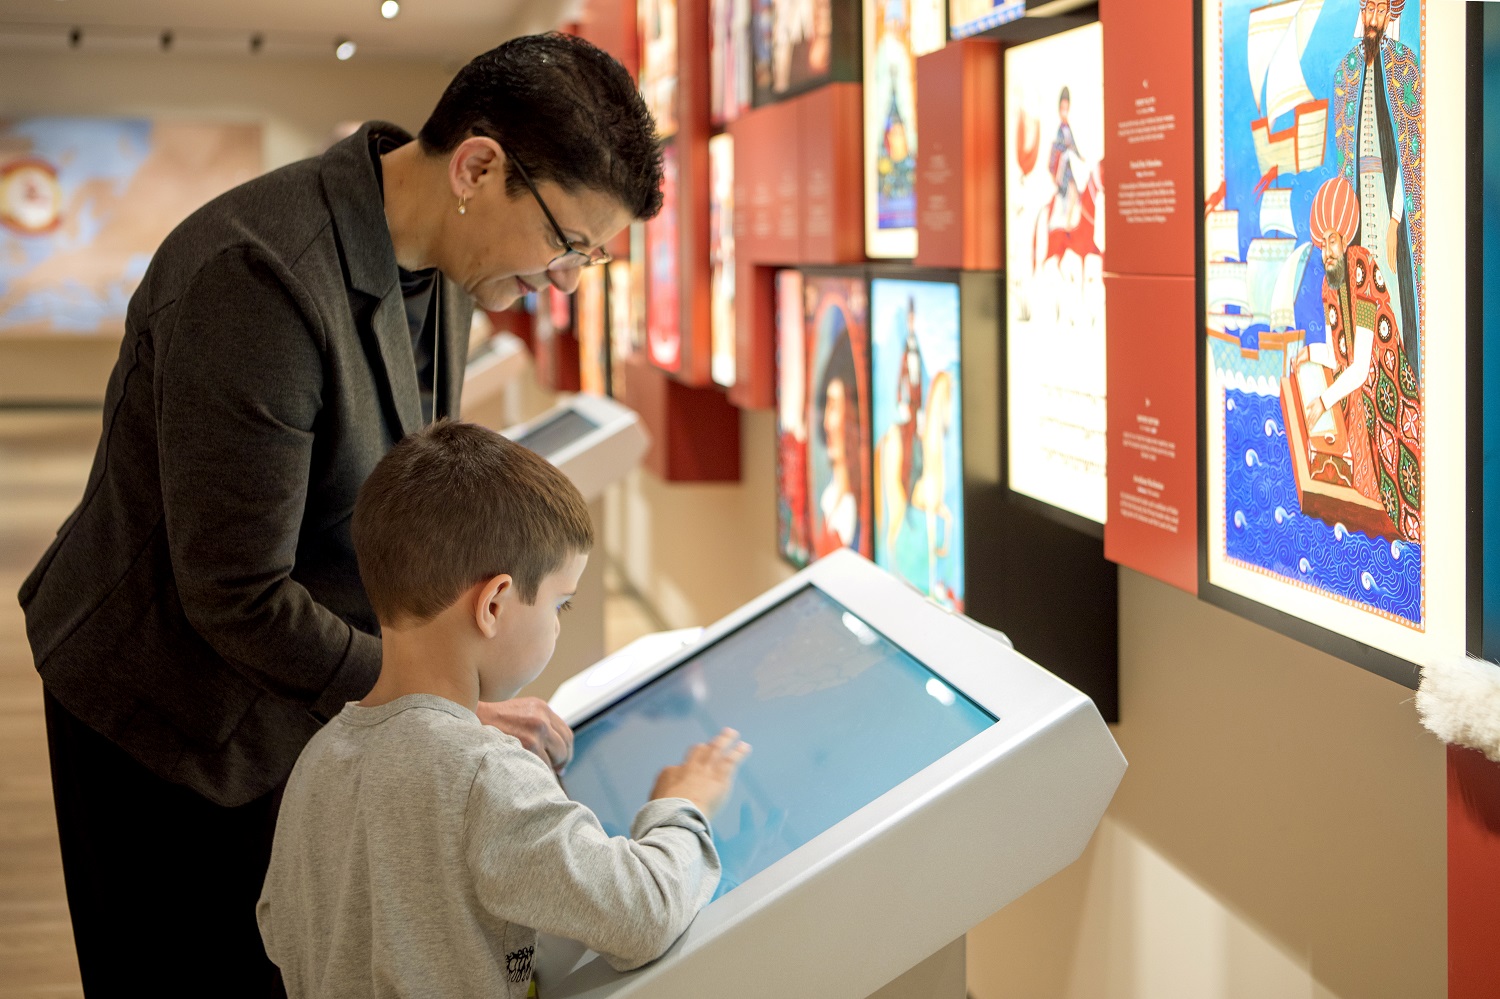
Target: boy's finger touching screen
<point>706,774</point>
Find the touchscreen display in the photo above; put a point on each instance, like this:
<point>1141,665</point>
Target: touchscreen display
<point>837,715</point>
<point>557,433</point>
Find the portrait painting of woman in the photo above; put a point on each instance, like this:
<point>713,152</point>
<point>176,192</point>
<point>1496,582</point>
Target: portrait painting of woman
<point>838,423</point>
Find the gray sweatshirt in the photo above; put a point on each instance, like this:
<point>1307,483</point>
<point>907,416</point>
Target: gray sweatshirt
<point>418,852</point>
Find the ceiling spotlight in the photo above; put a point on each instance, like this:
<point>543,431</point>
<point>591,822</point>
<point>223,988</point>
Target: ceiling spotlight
<point>257,42</point>
<point>75,38</point>
<point>389,9</point>
<point>344,49</point>
<point>166,41</point>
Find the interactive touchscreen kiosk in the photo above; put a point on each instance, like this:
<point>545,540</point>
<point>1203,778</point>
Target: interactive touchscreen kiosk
<point>595,440</point>
<point>911,775</point>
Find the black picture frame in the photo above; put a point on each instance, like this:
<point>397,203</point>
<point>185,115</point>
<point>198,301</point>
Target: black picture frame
<point>1485,452</point>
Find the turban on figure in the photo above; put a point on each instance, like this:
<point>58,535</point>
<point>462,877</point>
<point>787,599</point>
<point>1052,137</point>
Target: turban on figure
<point>1335,210</point>
<point>1396,6</point>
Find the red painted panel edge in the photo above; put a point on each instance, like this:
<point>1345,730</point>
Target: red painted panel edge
<point>1473,875</point>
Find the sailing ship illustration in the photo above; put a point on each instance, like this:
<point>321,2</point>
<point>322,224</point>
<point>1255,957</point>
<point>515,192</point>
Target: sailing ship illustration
<point>1251,300</point>
<point>1252,325</point>
<point>1279,33</point>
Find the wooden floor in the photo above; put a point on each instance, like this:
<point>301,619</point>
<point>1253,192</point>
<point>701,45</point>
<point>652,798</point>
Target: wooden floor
<point>44,462</point>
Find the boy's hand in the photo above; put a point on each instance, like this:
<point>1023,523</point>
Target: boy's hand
<point>533,721</point>
<point>706,774</point>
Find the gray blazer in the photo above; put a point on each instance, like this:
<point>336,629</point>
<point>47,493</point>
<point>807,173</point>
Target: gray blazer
<point>202,606</point>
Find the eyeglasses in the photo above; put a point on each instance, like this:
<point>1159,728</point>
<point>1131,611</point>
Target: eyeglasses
<point>570,259</point>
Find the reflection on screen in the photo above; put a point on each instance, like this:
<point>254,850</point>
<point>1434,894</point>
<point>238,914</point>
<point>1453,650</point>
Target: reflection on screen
<point>838,715</point>
<point>557,433</point>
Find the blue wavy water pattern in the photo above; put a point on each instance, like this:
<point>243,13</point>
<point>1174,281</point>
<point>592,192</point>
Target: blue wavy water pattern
<point>1264,525</point>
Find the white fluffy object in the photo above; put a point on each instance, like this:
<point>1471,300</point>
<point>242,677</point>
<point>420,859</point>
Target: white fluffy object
<point>1459,701</point>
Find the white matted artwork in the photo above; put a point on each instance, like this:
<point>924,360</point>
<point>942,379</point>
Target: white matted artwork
<point>1054,208</point>
<point>1336,324</point>
<point>890,98</point>
<point>721,258</point>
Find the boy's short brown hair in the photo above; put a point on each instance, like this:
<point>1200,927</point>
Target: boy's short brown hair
<point>454,504</point>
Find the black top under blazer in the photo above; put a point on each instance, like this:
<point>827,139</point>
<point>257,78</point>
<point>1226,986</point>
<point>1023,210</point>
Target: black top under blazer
<point>202,606</point>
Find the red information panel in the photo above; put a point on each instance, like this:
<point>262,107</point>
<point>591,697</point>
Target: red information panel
<point>830,151</point>
<point>1152,463</point>
<point>767,194</point>
<point>1473,874</point>
<point>959,168</point>
<point>1149,136</point>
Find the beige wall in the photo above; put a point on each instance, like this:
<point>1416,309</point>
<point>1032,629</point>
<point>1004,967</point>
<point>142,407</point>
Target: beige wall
<point>298,101</point>
<point>1280,832</point>
<point>696,552</point>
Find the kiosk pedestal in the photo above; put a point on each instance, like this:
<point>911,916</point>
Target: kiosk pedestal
<point>942,976</point>
<point>912,774</point>
<point>490,377</point>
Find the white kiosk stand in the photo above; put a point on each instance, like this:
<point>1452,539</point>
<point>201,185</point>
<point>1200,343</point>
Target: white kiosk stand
<point>491,374</point>
<point>596,441</point>
<point>912,774</point>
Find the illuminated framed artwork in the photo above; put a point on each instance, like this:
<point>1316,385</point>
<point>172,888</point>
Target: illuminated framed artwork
<point>890,80</point>
<point>663,288</point>
<point>797,45</point>
<point>1054,215</point>
<point>729,60</point>
<point>918,470</point>
<point>721,259</point>
<point>657,25</point>
<point>1337,327</point>
<point>929,26</point>
<point>793,528</point>
<point>970,17</point>
<point>621,334</point>
<point>637,329</point>
<point>836,317</point>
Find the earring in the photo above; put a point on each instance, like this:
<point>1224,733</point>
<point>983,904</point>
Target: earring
<point>462,205</point>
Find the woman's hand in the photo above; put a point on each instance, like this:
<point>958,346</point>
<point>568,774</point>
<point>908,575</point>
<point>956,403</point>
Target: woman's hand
<point>532,721</point>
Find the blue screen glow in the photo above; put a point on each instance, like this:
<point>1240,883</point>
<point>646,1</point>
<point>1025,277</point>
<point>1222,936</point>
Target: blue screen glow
<point>837,715</point>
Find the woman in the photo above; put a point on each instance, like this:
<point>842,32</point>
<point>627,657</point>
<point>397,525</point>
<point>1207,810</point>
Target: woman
<point>201,613</point>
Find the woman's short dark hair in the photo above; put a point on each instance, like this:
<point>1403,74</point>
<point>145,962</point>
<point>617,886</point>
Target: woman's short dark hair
<point>567,110</point>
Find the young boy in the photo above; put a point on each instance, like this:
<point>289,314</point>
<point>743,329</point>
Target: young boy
<point>418,852</point>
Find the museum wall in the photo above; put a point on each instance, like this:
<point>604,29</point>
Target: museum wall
<point>1280,832</point>
<point>696,551</point>
<point>297,101</point>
